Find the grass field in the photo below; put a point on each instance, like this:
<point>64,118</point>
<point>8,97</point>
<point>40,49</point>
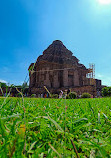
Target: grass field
<point>55,128</point>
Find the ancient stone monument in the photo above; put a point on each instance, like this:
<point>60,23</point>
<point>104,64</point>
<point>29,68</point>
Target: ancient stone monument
<point>58,69</point>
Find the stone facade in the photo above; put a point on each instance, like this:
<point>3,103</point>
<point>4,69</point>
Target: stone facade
<point>57,69</point>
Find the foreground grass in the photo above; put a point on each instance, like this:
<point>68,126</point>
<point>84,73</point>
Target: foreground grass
<point>55,128</point>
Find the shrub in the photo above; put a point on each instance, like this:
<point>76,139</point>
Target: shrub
<point>86,95</point>
<point>54,96</point>
<point>33,95</point>
<point>106,91</point>
<point>18,95</point>
<point>71,95</point>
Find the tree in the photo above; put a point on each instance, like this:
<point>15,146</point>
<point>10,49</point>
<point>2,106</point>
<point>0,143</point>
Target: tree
<point>106,91</point>
<point>25,85</point>
<point>3,84</point>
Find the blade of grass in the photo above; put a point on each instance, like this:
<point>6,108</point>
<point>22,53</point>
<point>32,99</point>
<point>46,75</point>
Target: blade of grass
<point>55,150</point>
<point>55,123</point>
<point>31,147</point>
<point>75,149</point>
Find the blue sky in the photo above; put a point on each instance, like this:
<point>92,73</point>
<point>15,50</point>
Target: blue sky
<point>27,27</point>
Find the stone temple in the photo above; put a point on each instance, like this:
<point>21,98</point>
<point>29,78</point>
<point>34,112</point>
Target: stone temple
<point>58,69</point>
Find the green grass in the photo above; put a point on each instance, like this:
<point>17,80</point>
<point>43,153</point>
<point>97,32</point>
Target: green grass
<point>55,128</point>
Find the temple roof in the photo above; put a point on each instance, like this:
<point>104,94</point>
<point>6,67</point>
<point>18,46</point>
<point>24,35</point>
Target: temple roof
<point>57,42</point>
<point>57,52</point>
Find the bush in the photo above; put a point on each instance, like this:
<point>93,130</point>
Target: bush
<point>71,95</point>
<point>106,91</point>
<point>54,96</point>
<point>86,95</point>
<point>33,95</point>
<point>18,95</point>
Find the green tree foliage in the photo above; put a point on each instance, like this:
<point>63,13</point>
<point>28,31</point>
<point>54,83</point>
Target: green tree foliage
<point>106,91</point>
<point>72,95</point>
<point>3,85</point>
<point>86,95</point>
<point>24,85</point>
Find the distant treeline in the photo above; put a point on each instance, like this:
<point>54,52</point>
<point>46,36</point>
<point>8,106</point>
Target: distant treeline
<point>13,90</point>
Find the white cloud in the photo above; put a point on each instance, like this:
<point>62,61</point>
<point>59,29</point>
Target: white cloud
<point>106,79</point>
<point>3,81</point>
<point>98,75</point>
<point>104,1</point>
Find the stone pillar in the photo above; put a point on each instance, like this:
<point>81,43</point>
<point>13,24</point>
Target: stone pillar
<point>37,77</point>
<point>56,82</point>
<point>65,78</point>
<point>76,78</point>
<point>32,79</point>
<point>47,81</point>
<point>40,78</point>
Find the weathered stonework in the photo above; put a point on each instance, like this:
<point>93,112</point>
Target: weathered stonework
<point>58,69</point>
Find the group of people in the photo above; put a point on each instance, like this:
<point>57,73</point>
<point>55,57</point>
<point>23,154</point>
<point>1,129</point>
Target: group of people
<point>64,94</point>
<point>43,95</point>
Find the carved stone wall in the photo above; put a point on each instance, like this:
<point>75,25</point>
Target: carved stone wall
<point>85,89</point>
<point>57,68</point>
